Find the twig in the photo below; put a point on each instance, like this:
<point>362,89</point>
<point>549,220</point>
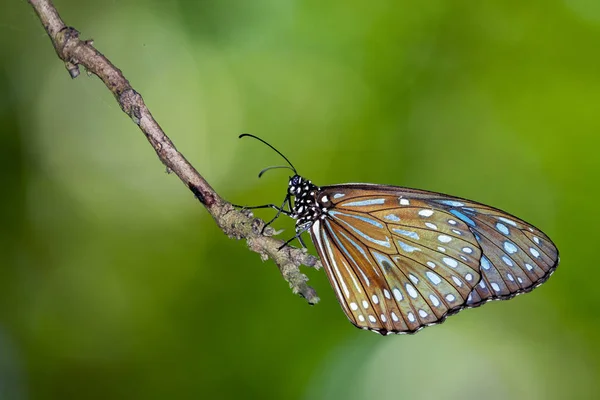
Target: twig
<point>240,225</point>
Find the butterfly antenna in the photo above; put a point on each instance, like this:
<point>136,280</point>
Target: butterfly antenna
<point>277,151</point>
<point>274,167</point>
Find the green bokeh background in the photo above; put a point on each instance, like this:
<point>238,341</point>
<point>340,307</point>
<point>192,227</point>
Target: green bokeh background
<point>115,283</point>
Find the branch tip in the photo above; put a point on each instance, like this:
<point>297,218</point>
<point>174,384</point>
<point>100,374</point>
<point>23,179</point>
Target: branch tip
<point>75,52</point>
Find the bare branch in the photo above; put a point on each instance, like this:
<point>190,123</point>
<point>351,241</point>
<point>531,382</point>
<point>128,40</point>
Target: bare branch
<point>240,225</point>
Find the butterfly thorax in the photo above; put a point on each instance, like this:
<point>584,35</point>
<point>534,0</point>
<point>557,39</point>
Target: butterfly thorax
<point>308,206</point>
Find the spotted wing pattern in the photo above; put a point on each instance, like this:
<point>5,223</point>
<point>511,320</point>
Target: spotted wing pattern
<point>400,259</point>
<point>517,257</point>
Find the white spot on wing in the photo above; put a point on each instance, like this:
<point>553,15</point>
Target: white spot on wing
<point>365,304</point>
<point>375,299</point>
<point>450,297</point>
<point>431,225</point>
<point>469,277</point>
<point>404,202</point>
<point>444,238</point>
<point>422,313</point>
<point>338,195</point>
<point>457,281</point>
<point>411,291</point>
<point>510,247</point>
<point>386,294</point>
<point>353,306</point>
<point>528,266</point>
<point>495,286</point>
<point>534,252</point>
<point>411,317</point>
<point>372,319</point>
<point>508,221</point>
<point>507,261</point>
<point>426,213</point>
<point>467,250</point>
<point>536,240</point>
<point>383,318</point>
<point>361,318</point>
<point>394,317</point>
<point>433,277</point>
<point>397,294</point>
<point>434,300</point>
<point>430,264</point>
<point>413,278</point>
<point>450,262</point>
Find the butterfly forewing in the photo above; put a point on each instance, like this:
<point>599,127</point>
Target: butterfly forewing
<point>401,259</point>
<point>409,266</point>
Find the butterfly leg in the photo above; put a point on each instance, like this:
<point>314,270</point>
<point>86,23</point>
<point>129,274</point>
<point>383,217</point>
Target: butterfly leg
<point>273,206</point>
<point>297,236</point>
<point>280,210</point>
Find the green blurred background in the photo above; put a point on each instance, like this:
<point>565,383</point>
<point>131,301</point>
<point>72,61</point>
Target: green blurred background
<point>115,283</point>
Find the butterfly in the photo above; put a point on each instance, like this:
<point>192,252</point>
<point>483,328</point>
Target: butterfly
<point>401,259</point>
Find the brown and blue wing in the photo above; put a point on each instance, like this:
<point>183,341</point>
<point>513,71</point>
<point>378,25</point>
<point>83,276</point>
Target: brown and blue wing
<point>400,259</point>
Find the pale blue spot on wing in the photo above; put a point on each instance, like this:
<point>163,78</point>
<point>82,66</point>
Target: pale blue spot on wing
<point>385,243</point>
<point>451,203</point>
<point>335,266</point>
<point>510,247</point>
<point>360,217</point>
<point>502,228</point>
<point>392,217</point>
<point>485,263</point>
<point>338,195</point>
<point>406,247</point>
<point>384,262</point>
<point>360,249</point>
<point>433,277</point>
<point>350,258</point>
<point>410,234</point>
<point>463,217</point>
<point>361,203</point>
<point>507,261</point>
<point>508,221</point>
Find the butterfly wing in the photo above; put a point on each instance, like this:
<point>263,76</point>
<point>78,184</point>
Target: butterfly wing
<point>400,259</point>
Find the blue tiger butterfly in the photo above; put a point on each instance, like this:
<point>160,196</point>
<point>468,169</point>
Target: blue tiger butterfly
<point>401,259</point>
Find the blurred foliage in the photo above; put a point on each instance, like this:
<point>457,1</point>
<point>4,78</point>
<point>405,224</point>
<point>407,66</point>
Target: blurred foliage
<point>115,282</point>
